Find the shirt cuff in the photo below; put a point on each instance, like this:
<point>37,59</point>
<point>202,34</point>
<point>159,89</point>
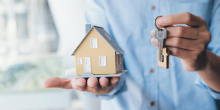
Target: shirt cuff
<point>111,94</point>
<point>202,84</point>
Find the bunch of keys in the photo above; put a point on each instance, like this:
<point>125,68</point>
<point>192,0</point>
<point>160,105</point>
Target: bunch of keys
<point>162,56</point>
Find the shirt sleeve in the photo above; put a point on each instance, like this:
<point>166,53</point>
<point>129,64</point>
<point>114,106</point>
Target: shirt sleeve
<point>95,14</point>
<point>214,28</point>
<point>202,84</point>
<point>214,45</point>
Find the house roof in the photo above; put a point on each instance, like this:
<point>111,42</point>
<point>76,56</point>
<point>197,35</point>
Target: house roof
<point>107,38</point>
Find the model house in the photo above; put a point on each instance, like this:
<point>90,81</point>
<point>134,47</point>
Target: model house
<point>98,53</point>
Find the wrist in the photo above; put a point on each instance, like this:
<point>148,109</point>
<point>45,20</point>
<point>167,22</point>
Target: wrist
<point>208,64</point>
<point>210,74</point>
<point>211,65</point>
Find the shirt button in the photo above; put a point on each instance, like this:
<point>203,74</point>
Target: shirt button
<point>153,7</point>
<point>152,103</point>
<point>151,70</point>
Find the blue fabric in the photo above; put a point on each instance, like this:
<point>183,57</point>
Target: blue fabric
<point>129,22</point>
<point>203,85</point>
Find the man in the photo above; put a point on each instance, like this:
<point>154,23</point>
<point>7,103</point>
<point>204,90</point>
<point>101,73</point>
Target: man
<point>191,82</point>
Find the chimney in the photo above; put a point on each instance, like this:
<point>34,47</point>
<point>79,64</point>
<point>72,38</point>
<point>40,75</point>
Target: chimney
<point>88,27</point>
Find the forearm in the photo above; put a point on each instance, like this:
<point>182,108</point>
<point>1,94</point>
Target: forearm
<point>211,73</point>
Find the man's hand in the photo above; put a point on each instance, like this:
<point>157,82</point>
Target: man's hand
<point>189,43</point>
<point>94,85</point>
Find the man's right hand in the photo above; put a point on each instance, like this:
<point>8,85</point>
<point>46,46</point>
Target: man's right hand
<point>94,85</point>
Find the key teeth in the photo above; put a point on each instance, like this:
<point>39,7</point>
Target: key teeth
<point>165,59</point>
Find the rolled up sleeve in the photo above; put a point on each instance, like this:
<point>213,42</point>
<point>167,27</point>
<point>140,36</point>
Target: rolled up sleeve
<point>199,82</point>
<point>214,44</point>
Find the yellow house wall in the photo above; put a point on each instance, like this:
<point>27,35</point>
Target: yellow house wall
<point>104,49</point>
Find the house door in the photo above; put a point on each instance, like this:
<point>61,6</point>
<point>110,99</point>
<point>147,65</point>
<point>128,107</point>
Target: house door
<point>87,65</point>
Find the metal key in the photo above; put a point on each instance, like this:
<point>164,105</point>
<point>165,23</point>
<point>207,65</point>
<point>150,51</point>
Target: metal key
<point>160,35</point>
<point>162,55</point>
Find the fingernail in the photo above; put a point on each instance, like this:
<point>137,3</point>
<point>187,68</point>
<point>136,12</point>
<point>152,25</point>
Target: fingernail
<point>161,21</point>
<point>153,41</point>
<point>116,80</point>
<point>106,84</point>
<point>93,86</point>
<point>81,84</point>
<point>152,32</point>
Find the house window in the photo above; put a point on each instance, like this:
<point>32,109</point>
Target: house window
<point>80,60</point>
<point>94,43</point>
<point>102,61</point>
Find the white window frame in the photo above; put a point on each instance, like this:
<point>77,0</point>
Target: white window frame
<point>93,43</point>
<point>102,62</point>
<point>80,61</point>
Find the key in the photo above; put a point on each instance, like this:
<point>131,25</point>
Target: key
<point>160,35</point>
<point>163,57</point>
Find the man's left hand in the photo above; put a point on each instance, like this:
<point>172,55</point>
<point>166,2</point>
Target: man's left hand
<point>189,43</point>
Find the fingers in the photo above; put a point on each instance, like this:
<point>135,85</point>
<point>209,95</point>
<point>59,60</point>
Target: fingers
<point>152,33</point>
<point>64,83</point>
<point>180,37</point>
<point>182,53</point>
<point>79,84</point>
<point>182,43</point>
<point>114,81</point>
<point>104,82</point>
<point>94,85</point>
<point>154,41</point>
<point>108,84</point>
<point>180,31</point>
<point>92,82</point>
<point>104,86</point>
<point>181,18</point>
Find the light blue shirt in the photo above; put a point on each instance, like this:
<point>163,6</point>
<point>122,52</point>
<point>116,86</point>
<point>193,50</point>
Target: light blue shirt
<point>129,22</point>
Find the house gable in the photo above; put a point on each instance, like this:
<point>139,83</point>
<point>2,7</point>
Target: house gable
<point>107,38</point>
<point>104,49</point>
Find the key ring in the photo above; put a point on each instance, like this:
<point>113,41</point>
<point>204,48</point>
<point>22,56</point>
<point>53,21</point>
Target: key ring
<point>155,23</point>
